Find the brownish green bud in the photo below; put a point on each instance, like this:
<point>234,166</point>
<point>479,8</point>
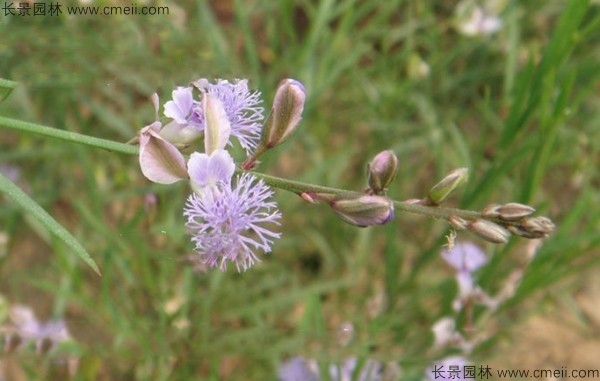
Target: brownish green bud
<point>364,210</point>
<point>491,211</point>
<point>382,170</point>
<point>458,223</point>
<point>449,184</point>
<point>286,113</point>
<point>540,225</point>
<point>489,231</point>
<point>516,230</point>
<point>514,211</point>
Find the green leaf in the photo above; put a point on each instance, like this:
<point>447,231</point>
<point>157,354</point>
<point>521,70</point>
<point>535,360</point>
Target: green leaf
<point>6,87</point>
<point>24,201</point>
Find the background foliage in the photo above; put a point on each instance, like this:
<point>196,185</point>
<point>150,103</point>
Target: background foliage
<point>519,108</point>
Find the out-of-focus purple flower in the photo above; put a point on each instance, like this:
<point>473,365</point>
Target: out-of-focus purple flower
<point>299,369</point>
<point>228,222</point>
<point>465,257</point>
<point>242,107</point>
<point>28,329</point>
<point>450,368</point>
<point>473,20</point>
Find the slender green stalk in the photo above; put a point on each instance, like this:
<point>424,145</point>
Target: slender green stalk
<point>68,136</point>
<point>404,206</point>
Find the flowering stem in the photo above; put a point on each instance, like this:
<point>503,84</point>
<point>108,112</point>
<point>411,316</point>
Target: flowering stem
<point>276,182</point>
<point>68,136</point>
<point>404,206</point>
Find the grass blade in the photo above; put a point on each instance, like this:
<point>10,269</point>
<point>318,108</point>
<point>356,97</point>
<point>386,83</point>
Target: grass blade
<point>24,201</point>
<point>6,87</point>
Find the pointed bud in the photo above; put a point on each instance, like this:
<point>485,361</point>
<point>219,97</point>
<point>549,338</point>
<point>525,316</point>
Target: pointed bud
<point>540,225</point>
<point>382,170</point>
<point>364,210</point>
<point>285,114</point>
<point>458,223</point>
<point>180,135</point>
<point>159,160</point>
<point>449,184</point>
<point>514,211</point>
<point>216,124</point>
<point>489,231</point>
<point>516,230</point>
<point>491,211</point>
<point>155,102</point>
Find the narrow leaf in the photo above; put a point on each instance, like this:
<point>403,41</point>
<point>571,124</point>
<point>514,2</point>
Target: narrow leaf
<point>24,201</point>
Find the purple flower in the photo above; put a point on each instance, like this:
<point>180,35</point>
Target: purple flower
<point>214,171</point>
<point>227,221</point>
<point>465,257</point>
<point>300,369</point>
<point>183,109</point>
<point>241,106</point>
<point>29,329</point>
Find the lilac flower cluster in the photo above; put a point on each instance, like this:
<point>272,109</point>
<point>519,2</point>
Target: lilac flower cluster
<point>241,106</point>
<point>229,217</point>
<point>227,222</point>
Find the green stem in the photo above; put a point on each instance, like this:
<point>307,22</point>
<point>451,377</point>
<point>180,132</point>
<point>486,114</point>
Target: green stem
<point>68,136</point>
<point>404,206</point>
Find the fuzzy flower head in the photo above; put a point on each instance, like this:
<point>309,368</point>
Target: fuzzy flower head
<point>242,107</point>
<point>229,222</point>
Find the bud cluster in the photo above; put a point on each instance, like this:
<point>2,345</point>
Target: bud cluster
<point>495,223</point>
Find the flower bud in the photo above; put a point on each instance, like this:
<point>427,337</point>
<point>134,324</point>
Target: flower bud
<point>540,225</point>
<point>382,170</point>
<point>514,211</point>
<point>491,211</point>
<point>524,233</point>
<point>489,231</point>
<point>285,114</point>
<point>216,124</point>
<point>160,161</point>
<point>458,223</point>
<point>364,210</point>
<point>444,188</point>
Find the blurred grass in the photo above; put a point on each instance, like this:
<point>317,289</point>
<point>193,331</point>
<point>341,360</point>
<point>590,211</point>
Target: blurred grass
<point>519,108</point>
